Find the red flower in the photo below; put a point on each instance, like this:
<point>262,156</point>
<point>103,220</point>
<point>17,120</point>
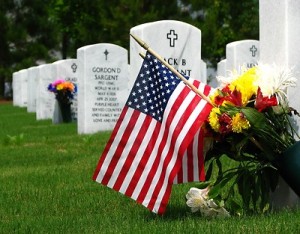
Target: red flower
<point>262,103</point>
<point>235,97</point>
<point>225,123</point>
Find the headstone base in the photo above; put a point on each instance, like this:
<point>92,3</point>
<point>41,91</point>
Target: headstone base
<point>284,197</point>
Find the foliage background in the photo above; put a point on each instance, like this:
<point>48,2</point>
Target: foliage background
<point>41,31</point>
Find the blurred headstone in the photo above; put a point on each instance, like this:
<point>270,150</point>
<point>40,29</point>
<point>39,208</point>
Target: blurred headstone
<point>16,86</point>
<point>20,88</point>
<point>241,53</point>
<point>31,88</point>
<point>67,70</point>
<point>44,99</point>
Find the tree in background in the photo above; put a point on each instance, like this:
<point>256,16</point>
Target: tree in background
<point>222,22</point>
<point>40,31</point>
<point>27,36</point>
<point>5,58</point>
<point>84,22</point>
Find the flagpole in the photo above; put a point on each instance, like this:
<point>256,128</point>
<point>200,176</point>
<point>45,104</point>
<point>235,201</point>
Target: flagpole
<point>151,51</point>
<point>142,55</point>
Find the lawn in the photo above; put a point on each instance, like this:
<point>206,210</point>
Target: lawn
<point>46,187</point>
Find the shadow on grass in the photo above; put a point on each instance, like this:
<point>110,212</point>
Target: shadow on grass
<point>173,212</point>
<point>178,212</point>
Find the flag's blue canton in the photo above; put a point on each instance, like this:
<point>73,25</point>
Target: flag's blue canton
<point>153,87</point>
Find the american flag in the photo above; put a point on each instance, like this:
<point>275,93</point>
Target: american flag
<point>157,124</point>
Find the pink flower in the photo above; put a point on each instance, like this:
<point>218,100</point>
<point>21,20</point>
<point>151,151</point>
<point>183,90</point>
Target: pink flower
<point>57,82</point>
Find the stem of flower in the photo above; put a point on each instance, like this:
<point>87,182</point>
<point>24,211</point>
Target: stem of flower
<point>255,142</point>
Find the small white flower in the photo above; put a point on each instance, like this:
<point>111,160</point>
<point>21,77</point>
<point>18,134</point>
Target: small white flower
<point>196,198</point>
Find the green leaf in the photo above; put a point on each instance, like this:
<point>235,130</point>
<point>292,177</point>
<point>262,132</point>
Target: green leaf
<point>220,184</point>
<point>257,119</point>
<point>234,207</point>
<point>219,164</point>
<point>203,185</point>
<point>209,170</point>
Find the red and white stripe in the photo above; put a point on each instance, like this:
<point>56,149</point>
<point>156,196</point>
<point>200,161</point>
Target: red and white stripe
<point>192,168</point>
<point>143,156</point>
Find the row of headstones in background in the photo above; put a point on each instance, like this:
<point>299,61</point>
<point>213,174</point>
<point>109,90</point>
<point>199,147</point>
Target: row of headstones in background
<point>239,53</point>
<point>103,87</point>
<point>30,88</point>
<point>105,78</point>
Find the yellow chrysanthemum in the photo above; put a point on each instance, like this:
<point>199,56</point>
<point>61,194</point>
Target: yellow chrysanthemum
<point>213,96</point>
<point>245,84</point>
<point>239,123</point>
<point>213,119</point>
<point>60,86</point>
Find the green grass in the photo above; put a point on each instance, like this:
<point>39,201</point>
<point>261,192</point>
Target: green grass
<point>46,187</point>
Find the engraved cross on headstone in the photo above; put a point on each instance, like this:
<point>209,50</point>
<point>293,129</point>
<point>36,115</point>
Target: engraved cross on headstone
<point>253,49</point>
<point>106,53</point>
<point>172,36</point>
<point>74,67</point>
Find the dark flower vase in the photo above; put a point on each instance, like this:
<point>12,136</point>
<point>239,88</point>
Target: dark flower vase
<point>289,167</point>
<point>65,109</point>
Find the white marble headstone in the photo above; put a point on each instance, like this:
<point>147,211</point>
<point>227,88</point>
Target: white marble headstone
<point>221,72</point>
<point>177,42</point>
<point>221,68</point>
<point>44,99</point>
<point>279,44</point>
<point>279,40</point>
<point>102,86</point>
<point>203,71</point>
<point>67,70</point>
<point>241,53</point>
<point>33,73</point>
<point>16,85</point>
<point>23,76</point>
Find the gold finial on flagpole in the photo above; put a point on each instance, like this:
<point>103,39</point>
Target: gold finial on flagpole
<point>140,42</point>
<point>142,55</point>
<point>178,74</point>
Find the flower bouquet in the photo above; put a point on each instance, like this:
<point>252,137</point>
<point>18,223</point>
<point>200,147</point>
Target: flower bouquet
<point>250,128</point>
<point>64,93</point>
